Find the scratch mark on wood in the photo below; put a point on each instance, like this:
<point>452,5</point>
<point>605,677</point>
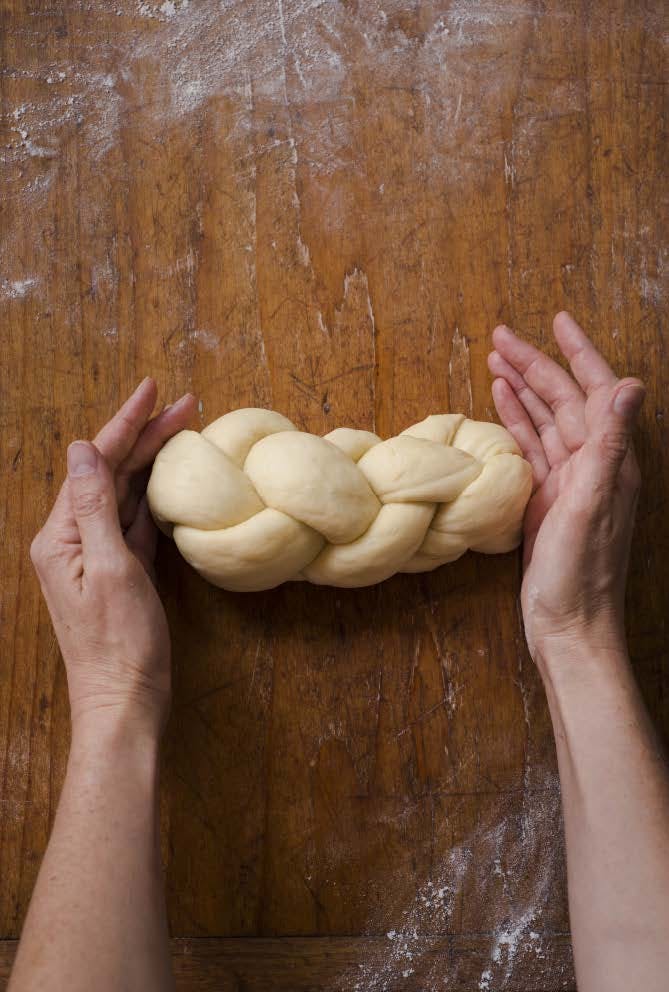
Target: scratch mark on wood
<point>459,375</point>
<point>423,716</point>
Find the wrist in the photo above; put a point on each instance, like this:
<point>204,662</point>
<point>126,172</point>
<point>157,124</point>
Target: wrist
<point>578,659</point>
<point>591,692</point>
<point>138,711</point>
<point>558,640</point>
<point>118,731</point>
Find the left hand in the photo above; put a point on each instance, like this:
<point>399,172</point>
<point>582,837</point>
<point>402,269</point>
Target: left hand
<point>94,558</point>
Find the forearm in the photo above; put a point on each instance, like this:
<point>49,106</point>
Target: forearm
<point>97,916</point>
<point>615,792</point>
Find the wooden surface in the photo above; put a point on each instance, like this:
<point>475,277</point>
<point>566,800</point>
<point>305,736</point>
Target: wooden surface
<point>311,964</point>
<point>325,207</point>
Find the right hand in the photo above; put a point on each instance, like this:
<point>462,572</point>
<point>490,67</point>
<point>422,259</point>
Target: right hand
<point>576,434</point>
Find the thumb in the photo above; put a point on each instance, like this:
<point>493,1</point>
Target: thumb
<point>614,431</point>
<point>94,504</point>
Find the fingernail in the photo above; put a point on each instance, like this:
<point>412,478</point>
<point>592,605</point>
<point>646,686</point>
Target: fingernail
<point>179,403</point>
<point>82,458</point>
<point>142,383</point>
<point>628,401</point>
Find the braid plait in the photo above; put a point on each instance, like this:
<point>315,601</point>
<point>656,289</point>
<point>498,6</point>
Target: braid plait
<point>252,502</point>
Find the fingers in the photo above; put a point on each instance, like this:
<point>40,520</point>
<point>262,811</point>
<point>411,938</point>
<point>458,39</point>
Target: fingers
<point>133,473</point>
<point>128,431</point>
<point>141,537</point>
<point>610,442</point>
<point>126,436</point>
<point>117,438</point>
<point>114,440</point>
<point>93,501</point>
<point>547,378</point>
<point>540,413</point>
<point>170,421</point>
<point>589,367</point>
<point>549,381</point>
<point>515,419</point>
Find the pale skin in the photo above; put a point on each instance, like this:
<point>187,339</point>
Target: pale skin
<point>576,432</point>
<point>97,916</point>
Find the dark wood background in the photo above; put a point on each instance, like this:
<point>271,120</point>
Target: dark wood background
<point>325,207</point>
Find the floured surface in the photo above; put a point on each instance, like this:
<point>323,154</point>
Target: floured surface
<point>495,856</point>
<point>324,207</point>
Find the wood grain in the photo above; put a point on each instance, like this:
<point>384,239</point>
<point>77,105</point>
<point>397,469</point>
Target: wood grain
<point>339,964</point>
<point>325,208</point>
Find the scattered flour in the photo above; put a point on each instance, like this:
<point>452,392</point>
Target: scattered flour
<point>303,53</point>
<point>523,845</point>
<point>286,74</point>
<point>206,340</point>
<point>160,11</point>
<point>486,978</point>
<point>17,289</point>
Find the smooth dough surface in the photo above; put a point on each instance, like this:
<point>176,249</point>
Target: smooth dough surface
<point>253,502</point>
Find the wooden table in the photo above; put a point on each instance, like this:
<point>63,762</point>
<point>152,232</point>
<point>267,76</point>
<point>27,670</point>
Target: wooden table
<point>325,207</point>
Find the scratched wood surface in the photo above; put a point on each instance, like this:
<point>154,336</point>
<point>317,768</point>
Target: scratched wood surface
<point>325,207</point>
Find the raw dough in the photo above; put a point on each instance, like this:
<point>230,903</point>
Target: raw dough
<point>252,502</point>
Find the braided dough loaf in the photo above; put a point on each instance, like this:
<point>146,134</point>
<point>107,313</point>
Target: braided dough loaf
<point>252,501</point>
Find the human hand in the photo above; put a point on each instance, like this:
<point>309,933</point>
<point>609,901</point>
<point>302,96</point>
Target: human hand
<point>94,558</point>
<point>576,434</point>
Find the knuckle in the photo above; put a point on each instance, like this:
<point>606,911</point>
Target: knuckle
<point>113,569</point>
<point>614,443</point>
<point>37,549</point>
<point>45,552</point>
<point>533,365</point>
<point>89,503</point>
<point>560,402</point>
